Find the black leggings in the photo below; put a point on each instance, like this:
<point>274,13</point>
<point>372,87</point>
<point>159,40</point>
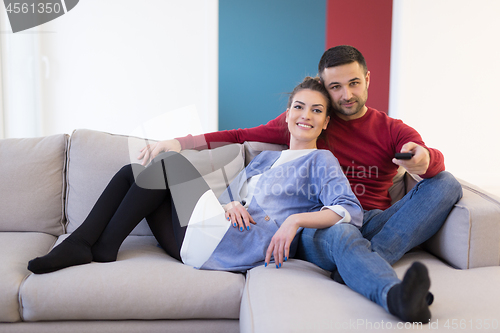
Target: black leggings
<point>165,193</point>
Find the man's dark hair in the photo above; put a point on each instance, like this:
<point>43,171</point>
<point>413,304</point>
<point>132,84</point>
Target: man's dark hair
<point>341,55</point>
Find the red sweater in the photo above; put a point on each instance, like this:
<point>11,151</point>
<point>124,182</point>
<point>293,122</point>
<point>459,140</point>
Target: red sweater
<point>364,147</point>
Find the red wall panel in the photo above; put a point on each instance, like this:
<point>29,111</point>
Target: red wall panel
<point>366,25</point>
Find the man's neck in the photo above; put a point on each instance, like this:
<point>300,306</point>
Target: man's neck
<point>357,115</point>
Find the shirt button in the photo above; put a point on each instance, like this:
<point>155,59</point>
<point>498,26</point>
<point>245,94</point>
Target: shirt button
<point>267,218</point>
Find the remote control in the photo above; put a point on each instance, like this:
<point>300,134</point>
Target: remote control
<point>403,156</point>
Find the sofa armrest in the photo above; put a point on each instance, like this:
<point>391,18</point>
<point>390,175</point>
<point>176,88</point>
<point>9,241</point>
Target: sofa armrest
<point>470,236</point>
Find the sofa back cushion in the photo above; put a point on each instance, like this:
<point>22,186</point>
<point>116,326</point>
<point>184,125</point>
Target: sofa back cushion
<point>94,157</point>
<point>32,184</point>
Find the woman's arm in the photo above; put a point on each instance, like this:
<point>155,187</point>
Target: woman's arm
<point>280,243</point>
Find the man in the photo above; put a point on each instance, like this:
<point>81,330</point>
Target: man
<point>365,142</point>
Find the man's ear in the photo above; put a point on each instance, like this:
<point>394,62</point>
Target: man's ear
<point>367,78</point>
<point>327,121</point>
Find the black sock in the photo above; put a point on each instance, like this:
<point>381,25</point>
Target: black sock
<point>76,249</point>
<point>70,252</point>
<point>408,299</point>
<point>335,276</point>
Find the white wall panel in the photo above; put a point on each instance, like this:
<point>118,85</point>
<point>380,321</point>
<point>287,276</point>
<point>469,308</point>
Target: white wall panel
<point>20,110</point>
<point>113,65</point>
<point>444,81</point>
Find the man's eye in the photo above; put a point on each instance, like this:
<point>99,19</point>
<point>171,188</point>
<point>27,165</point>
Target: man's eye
<point>354,83</point>
<point>335,87</point>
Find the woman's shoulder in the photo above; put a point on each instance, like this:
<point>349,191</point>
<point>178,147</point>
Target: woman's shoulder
<point>324,154</point>
<point>324,157</point>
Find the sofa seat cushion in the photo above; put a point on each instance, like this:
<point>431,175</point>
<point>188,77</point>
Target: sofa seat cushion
<point>144,283</point>
<point>16,249</point>
<point>301,297</point>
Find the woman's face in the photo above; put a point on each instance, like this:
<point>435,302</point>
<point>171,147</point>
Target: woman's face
<point>306,118</point>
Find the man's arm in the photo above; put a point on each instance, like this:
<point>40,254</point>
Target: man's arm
<point>426,162</point>
<point>275,131</point>
<point>420,164</point>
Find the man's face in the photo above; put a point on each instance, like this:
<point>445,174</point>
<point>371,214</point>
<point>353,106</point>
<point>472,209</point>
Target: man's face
<point>348,89</point>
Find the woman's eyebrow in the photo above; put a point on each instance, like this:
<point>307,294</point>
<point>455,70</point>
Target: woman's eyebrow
<point>319,104</point>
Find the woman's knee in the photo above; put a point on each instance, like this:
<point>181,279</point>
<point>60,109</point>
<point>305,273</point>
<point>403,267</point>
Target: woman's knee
<point>180,170</point>
<point>130,171</point>
<point>152,177</point>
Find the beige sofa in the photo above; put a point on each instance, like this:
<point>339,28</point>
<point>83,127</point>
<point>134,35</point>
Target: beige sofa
<point>49,184</point>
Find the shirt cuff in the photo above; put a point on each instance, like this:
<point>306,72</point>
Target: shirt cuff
<point>346,217</point>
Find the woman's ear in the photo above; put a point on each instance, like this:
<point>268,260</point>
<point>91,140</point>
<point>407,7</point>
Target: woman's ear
<point>287,114</point>
<point>327,121</point>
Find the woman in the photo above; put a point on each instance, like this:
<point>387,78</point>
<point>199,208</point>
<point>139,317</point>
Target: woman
<point>276,195</point>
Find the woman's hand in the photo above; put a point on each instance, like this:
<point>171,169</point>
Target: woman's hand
<point>149,152</point>
<point>238,215</point>
<point>280,243</point>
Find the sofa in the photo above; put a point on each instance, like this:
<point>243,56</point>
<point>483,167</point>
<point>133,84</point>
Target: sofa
<point>49,184</point>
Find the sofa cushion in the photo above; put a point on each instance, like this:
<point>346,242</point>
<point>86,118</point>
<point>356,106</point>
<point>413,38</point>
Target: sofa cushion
<point>94,157</point>
<point>32,184</point>
<point>300,297</point>
<point>470,236</point>
<point>125,326</point>
<point>254,148</point>
<point>16,249</point>
<point>144,283</point>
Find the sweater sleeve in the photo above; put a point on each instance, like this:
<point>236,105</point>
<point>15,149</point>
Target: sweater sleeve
<point>275,131</point>
<point>404,134</point>
<point>336,192</point>
<point>436,164</point>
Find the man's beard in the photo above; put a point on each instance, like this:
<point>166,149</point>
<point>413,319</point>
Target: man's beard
<point>361,101</point>
<point>351,111</point>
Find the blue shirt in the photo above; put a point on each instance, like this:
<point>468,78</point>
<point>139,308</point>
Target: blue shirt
<point>305,184</point>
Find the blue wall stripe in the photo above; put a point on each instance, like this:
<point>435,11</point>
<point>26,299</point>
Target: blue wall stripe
<point>265,49</point>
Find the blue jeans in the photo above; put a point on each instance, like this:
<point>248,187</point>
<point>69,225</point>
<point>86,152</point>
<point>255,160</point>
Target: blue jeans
<point>363,257</point>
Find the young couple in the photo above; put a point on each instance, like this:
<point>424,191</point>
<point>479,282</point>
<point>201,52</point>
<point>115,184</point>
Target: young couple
<point>355,245</point>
